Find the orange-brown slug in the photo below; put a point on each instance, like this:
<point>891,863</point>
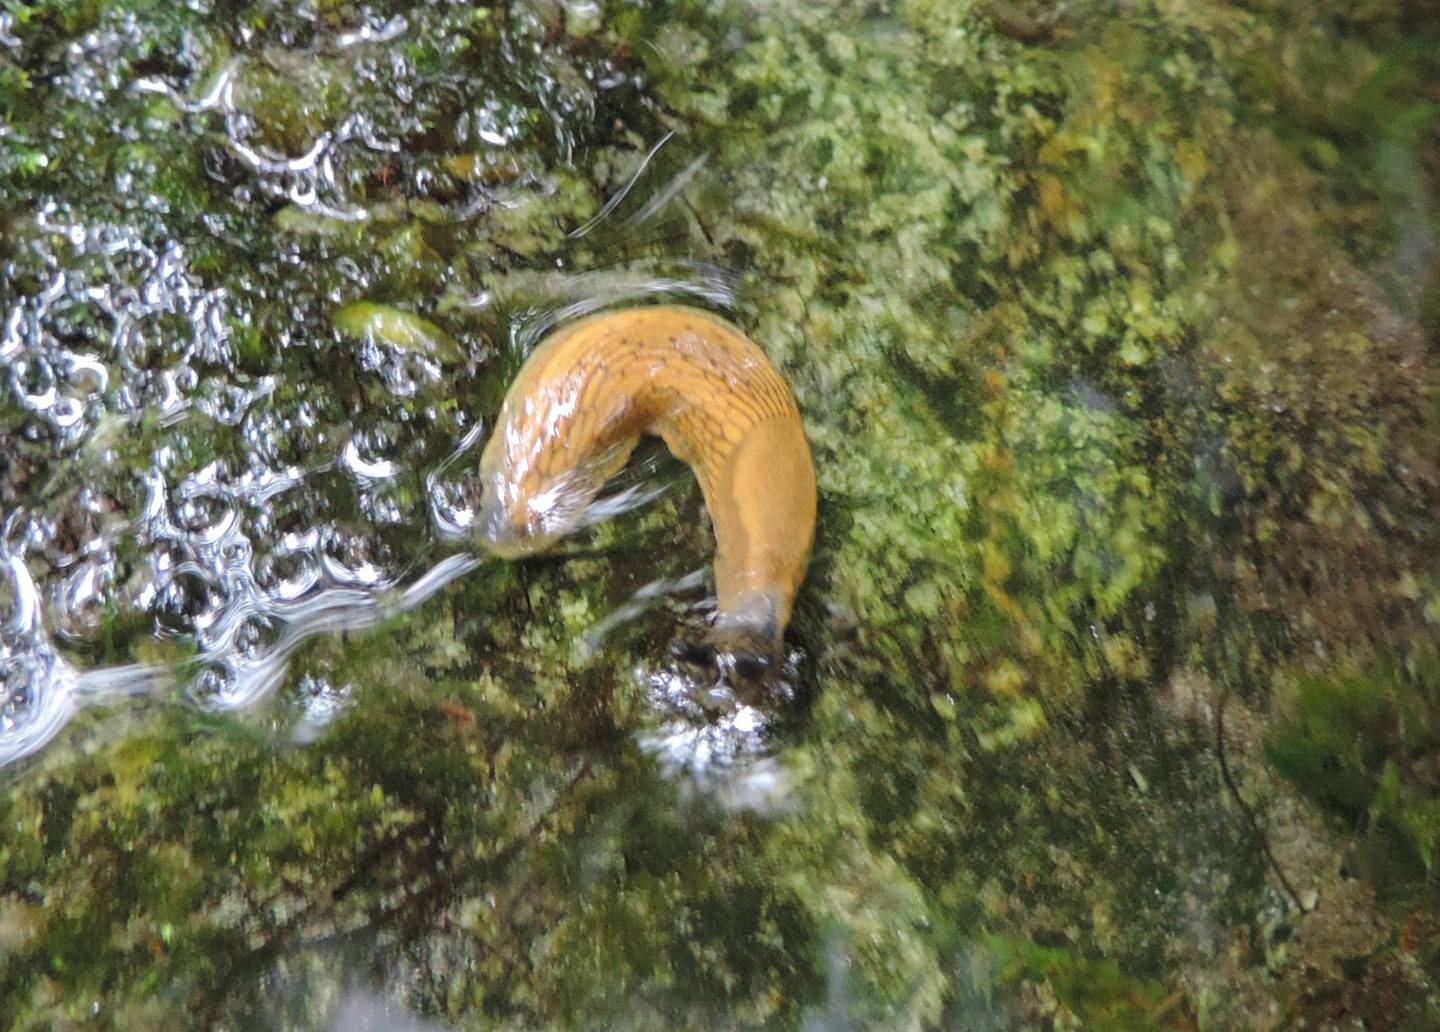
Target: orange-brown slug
<point>586,394</point>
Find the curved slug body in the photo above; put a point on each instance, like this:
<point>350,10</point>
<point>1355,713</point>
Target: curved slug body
<point>578,408</point>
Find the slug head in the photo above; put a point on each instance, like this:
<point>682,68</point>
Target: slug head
<point>541,470</point>
<point>526,502</point>
<point>514,522</point>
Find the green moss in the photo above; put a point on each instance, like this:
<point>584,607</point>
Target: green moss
<point>1359,741</point>
<point>1096,994</point>
<point>1106,413</point>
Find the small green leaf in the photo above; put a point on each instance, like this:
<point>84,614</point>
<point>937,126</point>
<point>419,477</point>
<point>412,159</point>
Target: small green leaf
<point>397,328</point>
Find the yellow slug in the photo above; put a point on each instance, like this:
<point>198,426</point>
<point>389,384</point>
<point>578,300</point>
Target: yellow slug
<point>586,394</point>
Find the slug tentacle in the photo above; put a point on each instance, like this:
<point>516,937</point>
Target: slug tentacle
<point>578,407</point>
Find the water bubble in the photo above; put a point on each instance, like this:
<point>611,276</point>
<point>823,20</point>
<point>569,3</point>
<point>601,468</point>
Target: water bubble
<point>363,457</point>
<point>15,693</point>
<point>215,684</point>
<point>319,702</point>
<point>173,466</point>
<point>82,599</point>
<point>181,599</point>
<point>34,382</point>
<point>206,517</point>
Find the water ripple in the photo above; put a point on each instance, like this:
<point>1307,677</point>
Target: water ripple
<point>171,474</point>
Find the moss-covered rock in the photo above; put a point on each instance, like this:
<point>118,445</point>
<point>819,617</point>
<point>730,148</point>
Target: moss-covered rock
<point>1110,335</point>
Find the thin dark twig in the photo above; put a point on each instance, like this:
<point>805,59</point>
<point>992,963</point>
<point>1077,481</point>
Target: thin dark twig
<point>1245,807</point>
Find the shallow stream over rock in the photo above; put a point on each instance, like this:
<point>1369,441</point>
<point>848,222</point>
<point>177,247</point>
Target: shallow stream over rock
<point>1115,697</point>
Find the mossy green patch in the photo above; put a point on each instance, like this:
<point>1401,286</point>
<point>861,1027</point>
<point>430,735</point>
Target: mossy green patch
<point>1360,740</point>
<point>1111,406</point>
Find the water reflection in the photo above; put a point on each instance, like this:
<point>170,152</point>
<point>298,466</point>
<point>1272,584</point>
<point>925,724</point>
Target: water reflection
<point>238,557</point>
<point>717,740</point>
<point>42,690</point>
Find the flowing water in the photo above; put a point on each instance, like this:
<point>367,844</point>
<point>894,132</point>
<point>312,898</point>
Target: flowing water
<point>122,336</point>
<point>1112,696</point>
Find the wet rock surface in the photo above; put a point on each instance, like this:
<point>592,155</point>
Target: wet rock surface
<point>1115,694</point>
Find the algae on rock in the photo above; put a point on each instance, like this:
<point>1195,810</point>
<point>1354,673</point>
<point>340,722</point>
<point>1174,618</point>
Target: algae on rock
<point>1117,429</point>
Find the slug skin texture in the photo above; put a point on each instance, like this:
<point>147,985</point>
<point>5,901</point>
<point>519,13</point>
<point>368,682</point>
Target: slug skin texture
<point>586,394</point>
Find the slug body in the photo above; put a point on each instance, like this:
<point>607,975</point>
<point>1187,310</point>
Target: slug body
<point>586,394</point>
